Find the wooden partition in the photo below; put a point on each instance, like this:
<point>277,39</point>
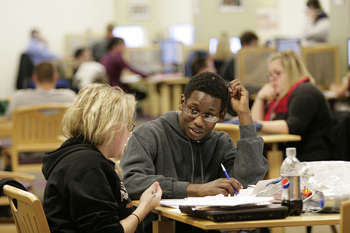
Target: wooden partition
<point>322,61</point>
<point>252,66</point>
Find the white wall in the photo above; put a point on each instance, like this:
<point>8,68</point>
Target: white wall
<point>54,18</point>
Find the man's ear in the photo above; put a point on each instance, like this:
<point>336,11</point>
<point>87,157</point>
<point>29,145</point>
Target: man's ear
<point>182,102</point>
<point>222,115</point>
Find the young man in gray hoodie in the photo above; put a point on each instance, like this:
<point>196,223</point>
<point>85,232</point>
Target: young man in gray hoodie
<point>183,153</point>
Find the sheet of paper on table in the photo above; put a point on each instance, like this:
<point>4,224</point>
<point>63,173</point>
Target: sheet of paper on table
<point>245,197</point>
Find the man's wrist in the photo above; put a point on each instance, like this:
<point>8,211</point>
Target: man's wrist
<point>245,118</point>
<point>193,190</point>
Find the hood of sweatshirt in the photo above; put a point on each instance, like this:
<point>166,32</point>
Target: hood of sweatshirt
<point>172,119</point>
<point>51,159</point>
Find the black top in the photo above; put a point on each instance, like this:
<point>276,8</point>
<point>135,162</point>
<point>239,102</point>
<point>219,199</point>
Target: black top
<point>83,192</point>
<point>309,116</point>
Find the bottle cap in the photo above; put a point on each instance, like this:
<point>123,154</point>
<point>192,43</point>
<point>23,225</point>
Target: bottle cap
<point>291,151</point>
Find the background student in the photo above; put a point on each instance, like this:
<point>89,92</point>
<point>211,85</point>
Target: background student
<point>83,192</point>
<point>294,105</point>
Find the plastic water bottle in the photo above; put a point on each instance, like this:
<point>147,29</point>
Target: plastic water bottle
<point>291,170</point>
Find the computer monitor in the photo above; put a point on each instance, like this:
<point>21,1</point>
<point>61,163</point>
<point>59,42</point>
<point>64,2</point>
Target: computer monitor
<point>348,46</point>
<point>288,44</point>
<point>183,33</point>
<point>170,52</point>
<point>134,36</point>
<point>235,44</point>
<point>213,43</point>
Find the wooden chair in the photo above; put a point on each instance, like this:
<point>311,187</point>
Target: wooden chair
<point>28,178</point>
<point>231,129</point>
<point>344,217</point>
<point>35,128</point>
<point>322,61</point>
<point>27,211</point>
<point>252,66</point>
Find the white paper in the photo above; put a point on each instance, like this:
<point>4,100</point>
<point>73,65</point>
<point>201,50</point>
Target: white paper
<point>243,198</point>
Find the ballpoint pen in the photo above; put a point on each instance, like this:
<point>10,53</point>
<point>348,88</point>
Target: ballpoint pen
<point>228,177</point>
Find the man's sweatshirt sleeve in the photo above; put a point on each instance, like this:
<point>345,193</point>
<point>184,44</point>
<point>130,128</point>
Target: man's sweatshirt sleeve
<point>249,165</point>
<point>140,171</point>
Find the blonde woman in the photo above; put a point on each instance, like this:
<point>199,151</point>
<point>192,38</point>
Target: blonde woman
<point>291,103</point>
<point>83,192</point>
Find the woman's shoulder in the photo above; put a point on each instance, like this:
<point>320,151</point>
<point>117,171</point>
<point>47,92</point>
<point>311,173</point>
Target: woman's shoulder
<point>307,88</point>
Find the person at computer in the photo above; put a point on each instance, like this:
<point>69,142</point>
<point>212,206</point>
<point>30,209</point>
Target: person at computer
<point>38,49</point>
<point>291,103</point>
<point>83,192</point>
<point>248,39</point>
<point>99,49</point>
<point>87,70</point>
<point>203,64</point>
<point>114,63</point>
<point>223,51</point>
<point>317,29</point>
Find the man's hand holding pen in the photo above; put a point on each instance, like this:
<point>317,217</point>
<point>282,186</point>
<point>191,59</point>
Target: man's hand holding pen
<point>219,186</point>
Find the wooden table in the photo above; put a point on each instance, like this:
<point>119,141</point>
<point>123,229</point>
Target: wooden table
<point>168,216</point>
<point>163,92</point>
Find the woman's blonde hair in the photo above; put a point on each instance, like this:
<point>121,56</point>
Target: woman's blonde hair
<point>294,68</point>
<point>96,111</point>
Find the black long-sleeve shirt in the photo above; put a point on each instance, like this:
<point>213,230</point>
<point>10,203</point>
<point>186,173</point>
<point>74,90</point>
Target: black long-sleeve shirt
<point>83,192</point>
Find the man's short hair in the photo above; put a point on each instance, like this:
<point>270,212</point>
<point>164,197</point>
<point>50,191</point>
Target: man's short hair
<point>45,72</point>
<point>211,84</point>
<point>315,4</point>
<point>113,42</point>
<point>198,64</point>
<point>248,37</point>
<point>78,52</point>
<point>34,32</point>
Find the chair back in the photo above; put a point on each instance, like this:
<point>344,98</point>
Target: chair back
<point>252,68</point>
<point>344,217</point>
<point>27,211</point>
<point>322,61</point>
<point>39,124</point>
<point>231,129</point>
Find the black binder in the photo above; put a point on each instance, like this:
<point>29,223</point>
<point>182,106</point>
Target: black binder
<point>218,214</point>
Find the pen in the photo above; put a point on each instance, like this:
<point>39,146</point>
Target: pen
<point>228,177</point>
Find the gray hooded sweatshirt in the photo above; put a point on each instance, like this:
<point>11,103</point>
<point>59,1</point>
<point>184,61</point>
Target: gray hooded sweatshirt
<point>160,151</point>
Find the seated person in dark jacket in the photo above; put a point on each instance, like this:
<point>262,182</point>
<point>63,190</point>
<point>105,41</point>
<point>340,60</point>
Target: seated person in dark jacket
<point>83,192</point>
<point>248,40</point>
<point>294,105</point>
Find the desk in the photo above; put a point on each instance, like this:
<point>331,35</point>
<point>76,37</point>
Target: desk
<point>275,156</point>
<point>167,216</point>
<point>163,92</point>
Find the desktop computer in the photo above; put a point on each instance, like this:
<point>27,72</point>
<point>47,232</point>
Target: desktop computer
<point>288,44</point>
<point>170,55</point>
<point>235,44</point>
